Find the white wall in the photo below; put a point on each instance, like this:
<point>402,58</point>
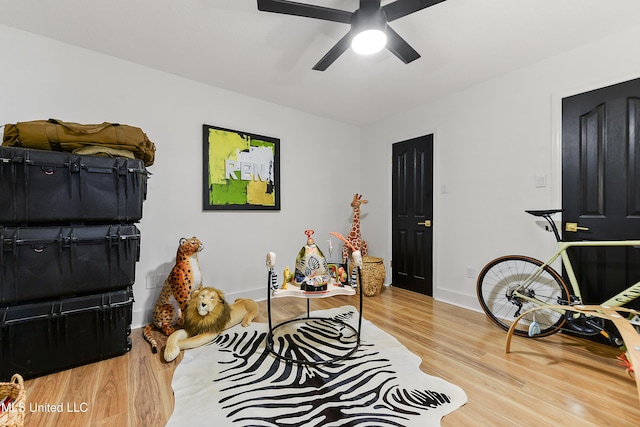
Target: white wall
<point>491,140</point>
<point>41,78</point>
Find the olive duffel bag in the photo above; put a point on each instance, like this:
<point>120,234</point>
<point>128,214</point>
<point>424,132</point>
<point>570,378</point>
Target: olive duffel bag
<point>56,135</point>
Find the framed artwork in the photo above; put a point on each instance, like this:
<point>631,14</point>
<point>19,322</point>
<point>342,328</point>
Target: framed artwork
<point>241,170</point>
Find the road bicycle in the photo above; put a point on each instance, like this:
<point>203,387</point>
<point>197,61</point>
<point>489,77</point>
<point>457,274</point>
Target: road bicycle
<point>510,286</point>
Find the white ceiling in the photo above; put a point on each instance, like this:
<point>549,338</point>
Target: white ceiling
<point>231,45</point>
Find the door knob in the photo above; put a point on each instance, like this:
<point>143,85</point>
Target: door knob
<point>426,223</point>
<point>573,227</point>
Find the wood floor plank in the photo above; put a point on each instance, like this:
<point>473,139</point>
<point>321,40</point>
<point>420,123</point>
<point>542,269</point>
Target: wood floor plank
<point>550,381</point>
<point>113,403</point>
<point>44,396</point>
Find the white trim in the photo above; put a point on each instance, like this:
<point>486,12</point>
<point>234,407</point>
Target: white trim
<point>458,299</point>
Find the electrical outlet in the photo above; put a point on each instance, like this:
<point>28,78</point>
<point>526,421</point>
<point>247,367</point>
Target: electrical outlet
<point>155,281</point>
<point>471,272</point>
<point>151,282</point>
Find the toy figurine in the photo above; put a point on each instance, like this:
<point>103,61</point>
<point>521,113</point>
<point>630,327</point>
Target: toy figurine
<point>356,258</point>
<point>271,263</point>
<point>287,278</point>
<point>312,271</point>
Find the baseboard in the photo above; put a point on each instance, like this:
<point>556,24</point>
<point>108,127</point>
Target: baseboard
<point>469,302</point>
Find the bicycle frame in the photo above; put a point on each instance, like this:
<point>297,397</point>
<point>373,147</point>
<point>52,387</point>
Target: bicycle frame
<point>629,294</point>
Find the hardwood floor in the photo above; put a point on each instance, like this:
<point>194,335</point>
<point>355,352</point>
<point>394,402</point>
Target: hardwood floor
<point>559,380</point>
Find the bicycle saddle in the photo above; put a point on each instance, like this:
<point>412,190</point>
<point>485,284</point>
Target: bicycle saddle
<point>544,212</point>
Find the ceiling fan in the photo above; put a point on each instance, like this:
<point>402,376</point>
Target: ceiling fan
<point>370,20</point>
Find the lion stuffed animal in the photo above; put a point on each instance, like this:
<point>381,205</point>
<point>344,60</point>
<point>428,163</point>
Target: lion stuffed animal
<point>206,316</point>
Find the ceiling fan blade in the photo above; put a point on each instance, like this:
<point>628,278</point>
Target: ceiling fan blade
<point>400,8</point>
<point>307,10</point>
<point>333,54</point>
<point>400,48</point>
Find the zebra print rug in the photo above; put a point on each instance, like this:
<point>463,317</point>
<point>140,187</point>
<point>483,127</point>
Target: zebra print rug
<point>234,381</point>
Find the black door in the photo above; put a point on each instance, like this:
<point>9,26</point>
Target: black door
<point>412,212</point>
<point>600,179</point>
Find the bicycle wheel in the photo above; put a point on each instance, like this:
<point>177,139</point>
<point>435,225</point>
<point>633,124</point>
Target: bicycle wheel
<point>501,277</point>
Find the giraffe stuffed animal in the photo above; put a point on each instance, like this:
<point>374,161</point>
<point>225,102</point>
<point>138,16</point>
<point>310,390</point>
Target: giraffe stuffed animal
<point>354,237</point>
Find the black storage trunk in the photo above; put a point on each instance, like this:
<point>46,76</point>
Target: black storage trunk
<point>50,187</point>
<point>39,263</point>
<point>46,337</point>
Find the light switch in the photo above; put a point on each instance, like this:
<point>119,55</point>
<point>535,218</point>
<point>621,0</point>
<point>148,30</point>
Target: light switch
<point>541,180</point>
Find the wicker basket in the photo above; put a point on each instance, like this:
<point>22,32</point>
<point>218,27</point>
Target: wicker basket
<point>13,416</point>
<point>373,275</point>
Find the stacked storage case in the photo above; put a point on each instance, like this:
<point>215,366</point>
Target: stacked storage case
<point>68,249</point>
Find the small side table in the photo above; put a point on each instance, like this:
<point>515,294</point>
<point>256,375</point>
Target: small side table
<point>332,290</point>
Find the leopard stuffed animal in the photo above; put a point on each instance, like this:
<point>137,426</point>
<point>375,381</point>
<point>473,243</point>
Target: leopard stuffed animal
<point>176,291</point>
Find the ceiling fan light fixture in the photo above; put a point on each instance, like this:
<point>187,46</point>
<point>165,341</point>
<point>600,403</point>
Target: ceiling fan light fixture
<point>371,15</point>
<point>369,29</point>
<point>369,41</point>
